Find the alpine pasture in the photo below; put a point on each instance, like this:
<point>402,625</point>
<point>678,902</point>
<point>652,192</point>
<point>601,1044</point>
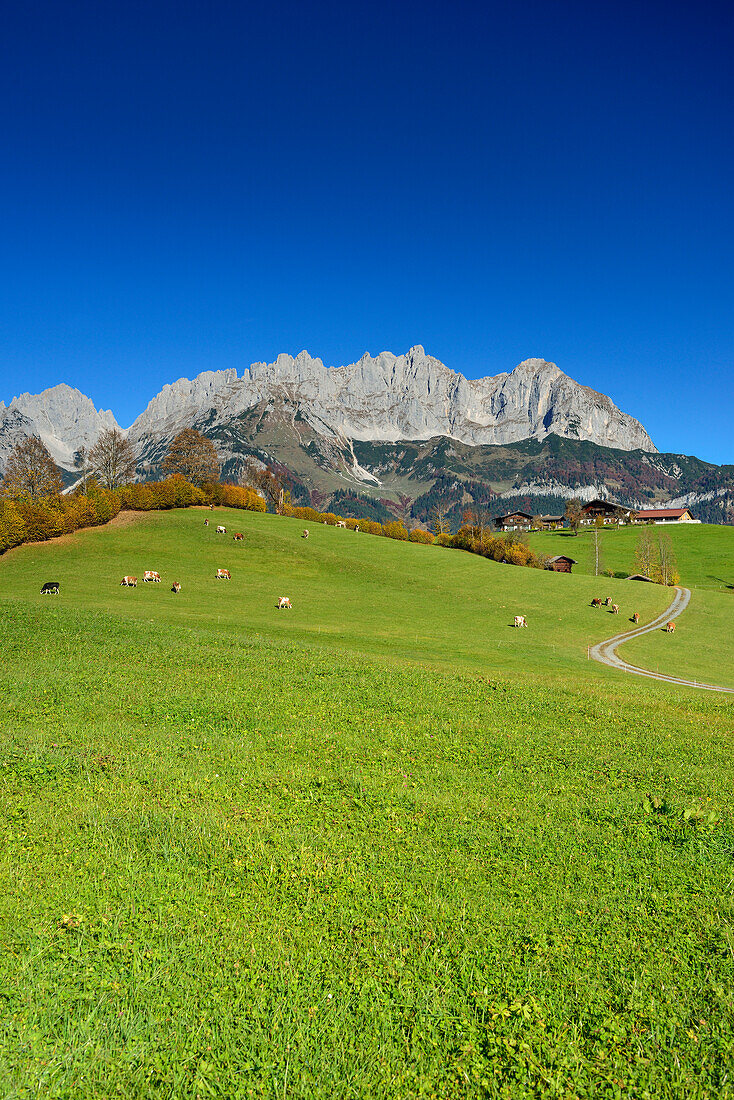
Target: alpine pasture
<point>381,845</point>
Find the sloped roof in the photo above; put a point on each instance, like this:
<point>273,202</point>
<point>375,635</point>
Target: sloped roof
<point>661,513</point>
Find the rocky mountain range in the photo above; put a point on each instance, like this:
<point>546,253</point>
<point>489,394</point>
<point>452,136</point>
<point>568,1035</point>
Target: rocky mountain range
<point>391,426</point>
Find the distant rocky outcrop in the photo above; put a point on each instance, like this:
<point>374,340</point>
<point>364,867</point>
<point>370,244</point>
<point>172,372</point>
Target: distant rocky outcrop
<point>61,416</point>
<point>411,396</point>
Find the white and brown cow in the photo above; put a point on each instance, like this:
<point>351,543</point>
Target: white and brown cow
<point>608,601</point>
<point>151,575</point>
<point>635,618</point>
<point>304,535</point>
<point>221,530</point>
<point>670,628</point>
<point>284,603</point>
<point>615,609</point>
<point>340,523</point>
<point>129,582</point>
<point>175,587</point>
<point>223,575</point>
<point>51,588</point>
<point>238,536</point>
<point>520,621</point>
<point>596,602</point>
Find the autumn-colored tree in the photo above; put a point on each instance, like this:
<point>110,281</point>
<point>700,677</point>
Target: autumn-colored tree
<point>646,557</point>
<point>573,514</point>
<point>30,471</point>
<point>193,456</point>
<point>269,483</point>
<point>112,457</point>
<point>667,564</point>
<point>439,518</point>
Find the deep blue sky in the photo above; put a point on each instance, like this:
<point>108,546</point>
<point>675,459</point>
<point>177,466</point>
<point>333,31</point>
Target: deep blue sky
<point>196,186</point>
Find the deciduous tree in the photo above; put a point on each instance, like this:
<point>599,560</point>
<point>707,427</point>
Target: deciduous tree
<point>269,483</point>
<point>573,514</point>
<point>31,472</point>
<point>112,457</point>
<point>193,456</point>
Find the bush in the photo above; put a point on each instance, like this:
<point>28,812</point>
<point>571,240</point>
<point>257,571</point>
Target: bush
<point>421,536</point>
<point>395,530</point>
<point>12,527</point>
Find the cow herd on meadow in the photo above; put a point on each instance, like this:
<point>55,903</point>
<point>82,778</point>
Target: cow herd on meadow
<point>284,603</point>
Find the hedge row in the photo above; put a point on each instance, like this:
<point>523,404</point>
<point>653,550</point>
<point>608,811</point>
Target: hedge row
<point>511,547</point>
<point>24,520</point>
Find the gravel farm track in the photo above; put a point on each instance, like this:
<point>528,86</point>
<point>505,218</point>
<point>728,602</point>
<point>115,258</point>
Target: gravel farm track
<point>606,652</point>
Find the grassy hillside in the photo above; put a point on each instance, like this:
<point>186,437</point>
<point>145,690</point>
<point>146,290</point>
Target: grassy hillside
<point>348,590</point>
<point>361,849</point>
<point>705,552</point>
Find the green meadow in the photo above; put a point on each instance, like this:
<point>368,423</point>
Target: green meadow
<point>703,647</point>
<point>382,845</point>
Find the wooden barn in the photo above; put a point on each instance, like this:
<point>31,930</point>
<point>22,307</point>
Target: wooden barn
<point>550,523</point>
<point>607,510</point>
<point>513,521</point>
<point>664,515</point>
<point>560,563</point>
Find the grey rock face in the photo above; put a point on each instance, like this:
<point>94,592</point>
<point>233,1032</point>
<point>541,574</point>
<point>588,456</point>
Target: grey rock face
<point>61,416</point>
<point>386,398</point>
<point>412,396</point>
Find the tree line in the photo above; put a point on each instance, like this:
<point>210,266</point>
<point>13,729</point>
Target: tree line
<point>34,507</point>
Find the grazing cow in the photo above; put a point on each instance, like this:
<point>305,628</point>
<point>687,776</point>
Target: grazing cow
<point>223,575</point>
<point>151,575</point>
<point>608,601</point>
<point>284,603</point>
<point>636,617</point>
<point>615,609</point>
<point>520,621</point>
<point>341,523</point>
<point>596,602</point>
<point>670,628</point>
<point>304,535</point>
<point>206,522</point>
<point>129,582</point>
<point>175,587</point>
<point>51,588</point>
<point>221,530</point>
<point>238,537</point>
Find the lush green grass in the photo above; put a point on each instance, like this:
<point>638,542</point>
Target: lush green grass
<point>349,591</point>
<point>701,647</point>
<point>248,853</point>
<point>705,551</point>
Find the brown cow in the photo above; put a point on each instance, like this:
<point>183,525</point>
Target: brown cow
<point>608,601</point>
<point>206,522</point>
<point>636,617</point>
<point>129,582</point>
<point>223,575</point>
<point>615,609</point>
<point>304,535</point>
<point>238,536</point>
<point>151,575</point>
<point>175,587</point>
<point>596,602</point>
<point>670,628</point>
